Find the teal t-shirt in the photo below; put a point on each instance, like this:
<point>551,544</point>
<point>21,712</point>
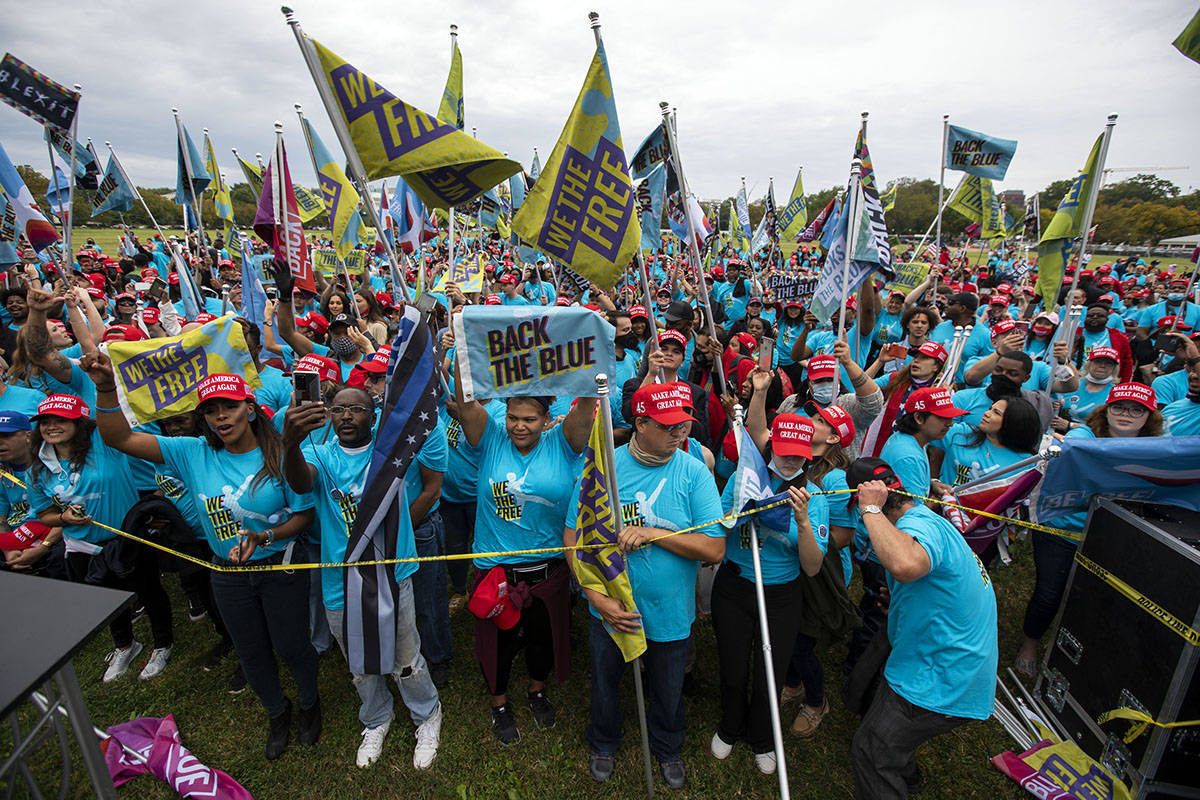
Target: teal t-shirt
<point>908,460</point>
<point>21,398</point>
<point>220,484</point>
<point>942,627</point>
<point>341,477</point>
<point>105,486</point>
<point>965,461</point>
<point>778,553</point>
<point>1182,418</point>
<point>677,495</point>
<point>432,455</point>
<point>522,499</point>
<point>14,500</point>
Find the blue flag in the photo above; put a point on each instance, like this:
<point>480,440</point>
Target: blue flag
<point>112,193</point>
<point>516,351</point>
<point>254,296</point>
<point>979,154</point>
<point>8,233</point>
<point>409,415</point>
<point>650,153</point>
<point>1157,469</point>
<point>190,163</point>
<point>832,227</point>
<point>752,488</point>
<point>650,206</point>
<point>58,192</point>
<point>193,301</point>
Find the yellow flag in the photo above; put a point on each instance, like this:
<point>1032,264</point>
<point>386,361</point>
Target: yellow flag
<point>794,215</point>
<point>451,109</point>
<point>339,194</point>
<point>603,569</point>
<point>220,191</point>
<point>582,209</point>
<point>1058,238</point>
<point>443,165</point>
<point>968,199</point>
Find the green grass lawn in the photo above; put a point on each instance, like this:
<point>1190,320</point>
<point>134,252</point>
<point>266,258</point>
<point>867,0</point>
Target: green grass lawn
<point>228,731</point>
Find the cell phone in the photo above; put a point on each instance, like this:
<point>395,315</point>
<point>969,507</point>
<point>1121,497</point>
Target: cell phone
<point>766,352</point>
<point>897,350</point>
<point>271,292</point>
<point>140,286</point>
<point>158,289</point>
<point>1023,325</point>
<point>307,387</point>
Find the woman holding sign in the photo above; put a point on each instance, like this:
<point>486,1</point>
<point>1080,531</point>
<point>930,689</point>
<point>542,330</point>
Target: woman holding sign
<point>250,515</point>
<point>527,470</point>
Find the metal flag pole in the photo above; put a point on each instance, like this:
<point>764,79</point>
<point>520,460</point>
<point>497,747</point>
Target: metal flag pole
<point>190,177</point>
<point>764,634</point>
<point>278,197</point>
<point>68,250</point>
<point>179,265</point>
<point>941,193</point>
<point>262,166</point>
<point>739,219</point>
<point>62,221</point>
<point>353,160</point>
<point>1033,460</point>
<point>1090,207</point>
<point>677,160</point>
<point>852,223</point>
<point>450,212</point>
<point>312,154</point>
<point>614,503</point>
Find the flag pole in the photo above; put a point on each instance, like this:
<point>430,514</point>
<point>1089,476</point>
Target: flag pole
<point>450,211</point>
<point>179,266</point>
<point>739,219</point>
<point>1089,209</point>
<point>718,374</point>
<point>614,503</point>
<point>63,223</point>
<point>196,204</point>
<point>479,211</point>
<point>312,154</point>
<point>353,160</point>
<point>852,224</point>
<point>941,193</point>
<point>68,252</point>
<point>764,633</point>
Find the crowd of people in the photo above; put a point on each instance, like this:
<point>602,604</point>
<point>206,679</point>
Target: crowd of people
<point>930,387</point>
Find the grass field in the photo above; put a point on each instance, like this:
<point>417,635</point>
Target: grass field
<point>228,731</point>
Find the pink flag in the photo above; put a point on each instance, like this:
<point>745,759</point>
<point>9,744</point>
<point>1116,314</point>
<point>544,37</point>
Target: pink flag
<point>157,741</point>
<point>277,221</point>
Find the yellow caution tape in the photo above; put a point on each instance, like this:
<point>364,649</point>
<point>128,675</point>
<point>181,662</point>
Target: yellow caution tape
<point>1141,721</point>
<point>1145,603</point>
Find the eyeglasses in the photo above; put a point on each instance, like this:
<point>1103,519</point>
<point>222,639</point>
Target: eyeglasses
<point>1129,410</point>
<point>678,426</point>
<point>338,411</point>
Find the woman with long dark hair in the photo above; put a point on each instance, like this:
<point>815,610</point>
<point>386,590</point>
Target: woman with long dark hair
<point>370,313</point>
<point>921,371</point>
<point>76,479</point>
<point>1009,431</point>
<point>1131,411</point>
<point>250,515</point>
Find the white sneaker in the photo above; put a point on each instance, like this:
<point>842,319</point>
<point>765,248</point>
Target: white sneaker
<point>429,734</point>
<point>719,747</point>
<point>119,661</point>
<point>156,664</point>
<point>372,744</point>
<point>765,762</point>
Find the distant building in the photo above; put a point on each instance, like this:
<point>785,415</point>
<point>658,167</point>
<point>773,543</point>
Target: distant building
<point>1013,197</point>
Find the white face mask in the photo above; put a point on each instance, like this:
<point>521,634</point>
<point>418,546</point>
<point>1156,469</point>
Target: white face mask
<point>774,466</point>
<point>824,392</point>
<point>1100,381</point>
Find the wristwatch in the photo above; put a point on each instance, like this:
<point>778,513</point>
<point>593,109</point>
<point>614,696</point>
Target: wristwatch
<point>871,510</point>
<point>270,532</point>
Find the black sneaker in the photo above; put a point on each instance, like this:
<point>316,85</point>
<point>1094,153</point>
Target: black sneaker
<point>237,681</point>
<point>280,732</point>
<point>196,611</point>
<point>440,673</point>
<point>673,773</point>
<point>543,712</point>
<point>505,725</point>
<point>310,725</point>
<point>217,654</point>
<point>600,765</point>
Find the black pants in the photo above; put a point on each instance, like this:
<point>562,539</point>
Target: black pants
<point>745,703</point>
<point>196,583</point>
<point>873,617</point>
<point>145,581</point>
<point>533,633</point>
<point>887,738</point>
<point>805,668</point>
<point>459,521</point>
<point>267,613</point>
<point>1052,558</point>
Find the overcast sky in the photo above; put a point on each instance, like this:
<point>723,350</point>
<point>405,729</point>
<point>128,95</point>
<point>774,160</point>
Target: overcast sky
<point>761,88</point>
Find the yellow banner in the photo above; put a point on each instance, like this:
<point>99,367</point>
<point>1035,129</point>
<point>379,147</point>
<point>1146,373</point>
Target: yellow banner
<point>467,272</point>
<point>157,378</point>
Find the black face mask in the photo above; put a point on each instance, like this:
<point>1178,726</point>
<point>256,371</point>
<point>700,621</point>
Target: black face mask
<point>627,341</point>
<point>1003,386</point>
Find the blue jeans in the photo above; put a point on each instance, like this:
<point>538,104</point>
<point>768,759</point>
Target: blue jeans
<point>665,663</point>
<point>429,592</point>
<point>411,675</point>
